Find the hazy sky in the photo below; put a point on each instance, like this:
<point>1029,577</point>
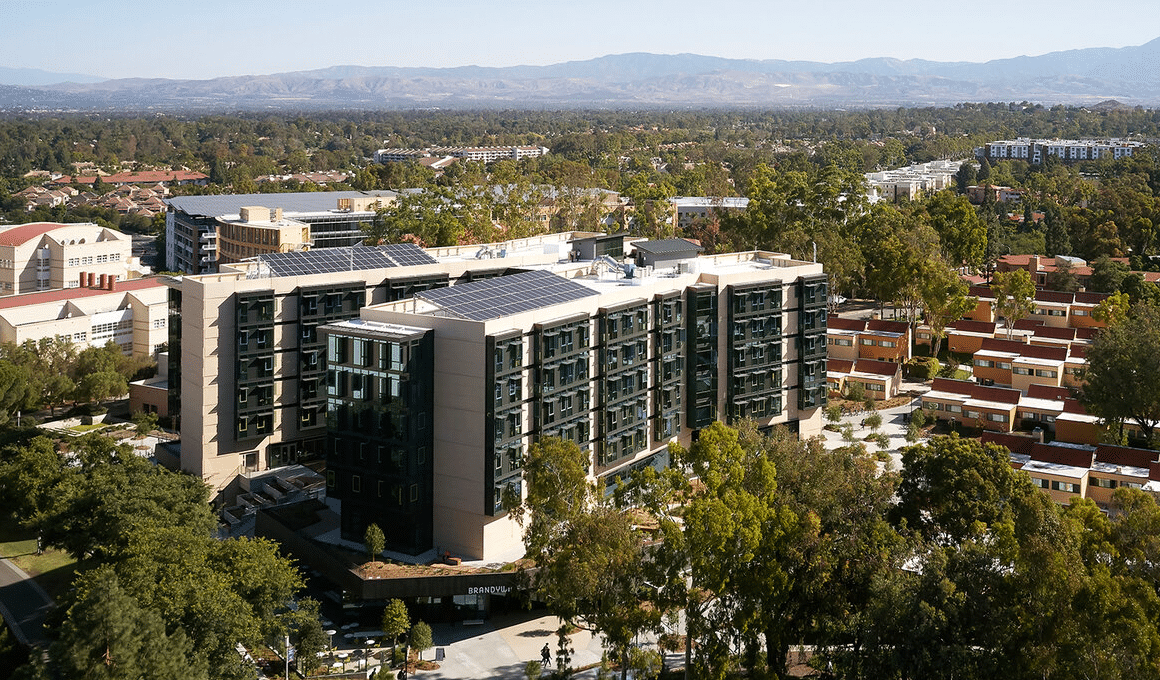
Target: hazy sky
<point>210,38</point>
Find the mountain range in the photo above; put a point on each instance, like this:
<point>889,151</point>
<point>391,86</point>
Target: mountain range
<point>638,80</point>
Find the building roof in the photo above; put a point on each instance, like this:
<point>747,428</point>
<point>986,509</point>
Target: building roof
<point>513,294</point>
<point>61,295</point>
<point>296,202</point>
<point>667,246</point>
<point>886,326</point>
<point>1015,443</point>
<point>24,233</point>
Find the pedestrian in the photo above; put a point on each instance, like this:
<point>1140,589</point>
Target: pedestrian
<point>546,655</point>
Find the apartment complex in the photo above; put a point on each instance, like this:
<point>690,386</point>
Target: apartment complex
<point>331,219</point>
<point>425,375</point>
<point>50,256</point>
<point>878,339</point>
<point>1088,471</point>
<point>1036,151</point>
<point>486,154</point>
<point>912,181</point>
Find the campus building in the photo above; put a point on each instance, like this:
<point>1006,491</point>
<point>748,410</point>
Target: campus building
<point>198,227</point>
<point>423,376</point>
<point>50,256</point>
<point>131,314</point>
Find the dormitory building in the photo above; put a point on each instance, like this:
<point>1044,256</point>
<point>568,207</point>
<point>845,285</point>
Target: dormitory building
<point>423,376</point>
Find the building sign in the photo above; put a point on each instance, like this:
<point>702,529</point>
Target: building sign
<point>489,590</point>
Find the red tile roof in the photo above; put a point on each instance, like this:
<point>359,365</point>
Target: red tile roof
<point>1062,455</point>
<point>26,232</point>
<point>1056,333</point>
<point>1015,443</point>
<point>968,326</point>
<point>1044,352</point>
<point>838,323</point>
<point>887,326</point>
<point>1002,345</point>
<point>875,367</point>
<point>1124,455</point>
<point>839,365</point>
<point>1051,392</point>
<point>41,297</point>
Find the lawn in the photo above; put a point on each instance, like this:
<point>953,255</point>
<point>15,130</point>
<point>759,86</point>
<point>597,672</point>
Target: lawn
<point>52,570</point>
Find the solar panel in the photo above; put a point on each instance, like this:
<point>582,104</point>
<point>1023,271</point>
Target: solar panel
<point>353,258</point>
<point>407,254</point>
<point>505,295</point>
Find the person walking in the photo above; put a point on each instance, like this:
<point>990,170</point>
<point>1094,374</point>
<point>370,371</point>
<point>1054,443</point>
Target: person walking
<point>546,655</point>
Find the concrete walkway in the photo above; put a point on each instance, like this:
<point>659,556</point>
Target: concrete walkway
<point>501,647</point>
<point>893,426</point>
<point>24,604</point>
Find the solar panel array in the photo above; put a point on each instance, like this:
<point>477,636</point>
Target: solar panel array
<point>354,258</point>
<point>504,295</point>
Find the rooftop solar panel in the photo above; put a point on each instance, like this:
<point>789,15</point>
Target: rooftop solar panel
<point>353,258</point>
<point>505,295</point>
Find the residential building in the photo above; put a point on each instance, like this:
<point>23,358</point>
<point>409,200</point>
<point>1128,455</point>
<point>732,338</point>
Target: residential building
<point>1067,471</point>
<point>880,379</point>
<point>485,154</point>
<point>259,231</point>
<point>972,404</point>
<point>334,219</point>
<point>1037,151</point>
<point>879,339</point>
<point>425,375</point>
<point>133,314</point>
<point>688,209</point>
<point>50,256</point>
<point>912,181</point>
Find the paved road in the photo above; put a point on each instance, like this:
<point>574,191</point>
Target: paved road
<point>23,603</point>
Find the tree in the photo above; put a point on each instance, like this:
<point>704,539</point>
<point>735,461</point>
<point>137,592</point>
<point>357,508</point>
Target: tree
<point>945,299</point>
<point>1119,380</point>
<point>966,176</point>
<point>396,622</point>
<point>874,421</point>
<point>962,235</point>
<point>107,634</point>
<point>1014,296</point>
<point>591,560</point>
<point>420,638</point>
<point>145,422</point>
<point>1107,275</point>
<point>1113,309</point>
<point>1062,278</point>
<point>374,540</point>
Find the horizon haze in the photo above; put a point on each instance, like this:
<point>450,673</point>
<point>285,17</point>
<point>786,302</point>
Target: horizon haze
<point>216,38</point>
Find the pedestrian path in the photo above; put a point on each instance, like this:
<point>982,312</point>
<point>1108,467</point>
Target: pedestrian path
<point>502,647</point>
<point>23,604</point>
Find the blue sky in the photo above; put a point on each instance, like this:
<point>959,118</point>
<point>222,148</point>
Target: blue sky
<point>210,38</point>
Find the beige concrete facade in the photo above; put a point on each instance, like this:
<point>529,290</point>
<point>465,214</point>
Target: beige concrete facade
<point>210,352</point>
<point>133,315</point>
<point>49,256</point>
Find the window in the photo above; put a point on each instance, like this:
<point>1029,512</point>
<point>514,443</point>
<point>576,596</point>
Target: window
<point>984,363</point>
<point>886,343</point>
<point>868,342</point>
<point>841,342</point>
<point>355,483</point>
<point>1045,373</point>
<point>1102,482</point>
<point>1066,487</point>
<point>1079,312</point>
<point>997,417</point>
